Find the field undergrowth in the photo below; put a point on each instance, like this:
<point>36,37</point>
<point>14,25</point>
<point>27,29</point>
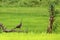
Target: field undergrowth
<point>29,36</point>
<point>35,21</point>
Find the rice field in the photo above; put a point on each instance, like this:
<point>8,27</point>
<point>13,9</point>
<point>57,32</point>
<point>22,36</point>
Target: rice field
<point>35,21</point>
<point>29,36</point>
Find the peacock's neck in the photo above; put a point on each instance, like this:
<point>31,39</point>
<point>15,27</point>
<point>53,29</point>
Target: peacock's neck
<point>3,28</point>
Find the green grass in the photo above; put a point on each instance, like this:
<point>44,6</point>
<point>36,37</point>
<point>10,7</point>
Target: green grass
<point>34,19</point>
<point>29,36</point>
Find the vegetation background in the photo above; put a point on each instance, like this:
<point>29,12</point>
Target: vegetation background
<point>35,18</point>
<point>27,3</point>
